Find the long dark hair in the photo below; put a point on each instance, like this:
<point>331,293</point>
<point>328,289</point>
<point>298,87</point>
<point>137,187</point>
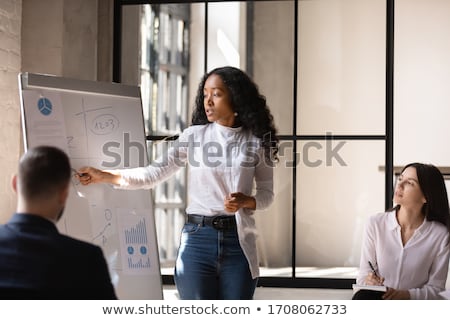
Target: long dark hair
<point>433,188</point>
<point>253,113</point>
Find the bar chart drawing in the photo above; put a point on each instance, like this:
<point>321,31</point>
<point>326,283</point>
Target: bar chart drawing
<point>135,244</point>
<point>137,234</point>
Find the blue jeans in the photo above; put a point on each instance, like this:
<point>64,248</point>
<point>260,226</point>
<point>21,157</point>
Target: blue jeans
<point>212,266</point>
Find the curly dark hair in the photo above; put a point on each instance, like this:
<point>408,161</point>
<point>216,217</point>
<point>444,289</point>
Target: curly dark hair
<point>246,100</point>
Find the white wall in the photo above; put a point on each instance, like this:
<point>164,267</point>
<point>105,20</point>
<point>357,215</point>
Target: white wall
<point>10,59</point>
<point>422,82</point>
<point>42,39</point>
<point>57,37</point>
<point>130,45</point>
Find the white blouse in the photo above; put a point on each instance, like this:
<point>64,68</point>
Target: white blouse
<point>421,266</point>
<point>221,160</point>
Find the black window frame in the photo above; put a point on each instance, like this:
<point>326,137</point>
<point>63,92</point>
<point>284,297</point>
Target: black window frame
<point>388,137</point>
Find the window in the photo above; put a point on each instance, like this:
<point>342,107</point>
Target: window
<point>322,66</point>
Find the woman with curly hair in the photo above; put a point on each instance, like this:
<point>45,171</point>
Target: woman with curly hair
<point>230,150</point>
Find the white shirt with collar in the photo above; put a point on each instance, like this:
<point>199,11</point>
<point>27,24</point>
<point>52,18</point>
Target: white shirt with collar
<point>220,160</point>
<point>421,266</point>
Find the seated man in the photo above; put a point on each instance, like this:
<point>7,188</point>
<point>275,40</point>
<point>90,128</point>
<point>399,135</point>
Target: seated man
<point>36,261</point>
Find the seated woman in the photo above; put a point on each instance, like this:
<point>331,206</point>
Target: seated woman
<point>408,246</point>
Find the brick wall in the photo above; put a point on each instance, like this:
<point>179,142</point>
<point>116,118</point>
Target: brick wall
<point>10,62</point>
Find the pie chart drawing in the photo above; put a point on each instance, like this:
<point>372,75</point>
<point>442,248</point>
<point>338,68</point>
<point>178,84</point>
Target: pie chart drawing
<point>45,106</point>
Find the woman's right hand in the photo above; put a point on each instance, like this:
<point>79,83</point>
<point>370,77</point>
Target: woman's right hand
<point>374,280</point>
<point>88,175</point>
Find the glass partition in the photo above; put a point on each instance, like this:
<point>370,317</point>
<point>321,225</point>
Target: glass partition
<point>323,190</point>
<point>275,224</point>
<point>341,67</point>
<point>337,191</point>
<point>272,58</point>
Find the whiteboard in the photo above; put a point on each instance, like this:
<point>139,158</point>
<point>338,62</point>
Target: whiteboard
<point>101,125</point>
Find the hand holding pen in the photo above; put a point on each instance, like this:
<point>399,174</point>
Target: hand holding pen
<point>373,278</point>
<point>90,175</point>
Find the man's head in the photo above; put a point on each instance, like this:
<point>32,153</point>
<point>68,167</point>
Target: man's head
<point>42,183</point>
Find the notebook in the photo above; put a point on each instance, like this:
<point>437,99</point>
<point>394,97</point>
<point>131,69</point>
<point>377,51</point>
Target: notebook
<point>357,287</point>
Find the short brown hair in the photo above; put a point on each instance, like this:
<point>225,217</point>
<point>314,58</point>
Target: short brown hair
<point>43,171</point>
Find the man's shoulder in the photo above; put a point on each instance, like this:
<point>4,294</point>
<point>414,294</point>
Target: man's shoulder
<point>68,240</point>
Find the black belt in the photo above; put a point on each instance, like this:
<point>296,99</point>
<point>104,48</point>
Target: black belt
<point>217,222</point>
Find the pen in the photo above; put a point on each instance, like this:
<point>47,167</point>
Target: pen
<point>373,269</point>
<point>77,173</point>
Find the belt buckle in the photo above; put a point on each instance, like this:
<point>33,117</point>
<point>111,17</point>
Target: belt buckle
<point>217,223</point>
